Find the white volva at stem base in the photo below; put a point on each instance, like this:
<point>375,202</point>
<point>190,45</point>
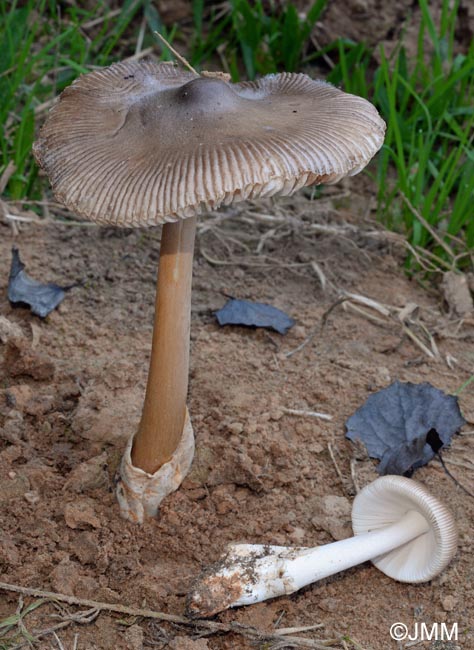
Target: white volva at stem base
<point>251,573</point>
<point>139,494</point>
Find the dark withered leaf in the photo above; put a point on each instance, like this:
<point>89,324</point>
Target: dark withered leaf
<point>254,314</point>
<point>23,290</point>
<point>404,425</point>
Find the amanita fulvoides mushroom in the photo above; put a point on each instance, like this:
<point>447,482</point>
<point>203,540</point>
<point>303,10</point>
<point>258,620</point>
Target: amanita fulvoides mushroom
<point>142,144</point>
<point>406,532</point>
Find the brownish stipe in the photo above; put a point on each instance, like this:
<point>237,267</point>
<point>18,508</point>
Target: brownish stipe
<point>162,421</point>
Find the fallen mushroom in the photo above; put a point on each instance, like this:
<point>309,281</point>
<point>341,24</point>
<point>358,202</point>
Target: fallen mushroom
<point>406,532</point>
<point>141,144</point>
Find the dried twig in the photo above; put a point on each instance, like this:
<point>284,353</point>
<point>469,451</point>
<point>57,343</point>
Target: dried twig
<point>241,262</point>
<point>178,56</point>
<point>428,227</point>
<point>459,463</point>
<point>354,478</point>
<point>213,626</point>
<point>8,172</point>
<point>309,414</point>
<point>82,618</point>
<point>140,55</point>
<point>420,344</point>
<point>369,302</point>
<point>318,329</point>
<point>451,476</point>
<point>97,21</point>
<point>336,466</point>
<point>320,273</point>
<point>283,631</point>
<point>362,312</point>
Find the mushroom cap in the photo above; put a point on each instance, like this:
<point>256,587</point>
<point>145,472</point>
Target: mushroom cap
<point>383,503</point>
<point>141,143</point>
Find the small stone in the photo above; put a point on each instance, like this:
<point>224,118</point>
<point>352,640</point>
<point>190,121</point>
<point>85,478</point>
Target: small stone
<point>252,428</point>
<point>21,359</point>
<point>107,595</point>
<point>335,517</point>
<point>449,603</point>
<point>84,546</point>
<point>64,577</point>
<point>224,505</point>
<point>329,604</point>
<point>299,332</point>
<point>32,497</point>
<point>134,637</point>
<point>10,455</point>
<point>236,427</point>
<point>12,429</point>
<point>13,487</point>
<point>18,396</point>
<point>9,554</point>
<point>105,415</point>
<point>81,514</point>
<point>9,330</point>
<point>297,535</point>
<point>456,293</point>
<point>86,587</point>
<point>40,405</point>
<point>276,415</point>
<point>88,475</point>
<point>336,506</point>
<point>382,377</point>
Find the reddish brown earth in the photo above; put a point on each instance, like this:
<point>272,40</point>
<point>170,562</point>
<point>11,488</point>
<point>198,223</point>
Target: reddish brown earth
<point>71,391</point>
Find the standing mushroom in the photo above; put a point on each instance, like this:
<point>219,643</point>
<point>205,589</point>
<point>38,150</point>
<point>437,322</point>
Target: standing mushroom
<point>406,532</point>
<point>142,144</point>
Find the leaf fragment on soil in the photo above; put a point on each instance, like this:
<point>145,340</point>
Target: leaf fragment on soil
<point>254,314</point>
<point>456,293</point>
<point>41,298</point>
<point>404,425</point>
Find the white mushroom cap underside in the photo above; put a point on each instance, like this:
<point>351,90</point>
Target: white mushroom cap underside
<point>386,501</point>
<point>141,143</point>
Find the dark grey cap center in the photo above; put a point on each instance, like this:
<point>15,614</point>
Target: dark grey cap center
<point>207,94</point>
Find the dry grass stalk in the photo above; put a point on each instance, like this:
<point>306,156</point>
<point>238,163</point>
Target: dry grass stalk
<point>211,626</point>
<point>336,466</point>
<point>310,414</point>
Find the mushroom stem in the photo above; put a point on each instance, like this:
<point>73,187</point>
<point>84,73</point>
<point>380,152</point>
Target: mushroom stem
<point>164,410</point>
<point>278,570</point>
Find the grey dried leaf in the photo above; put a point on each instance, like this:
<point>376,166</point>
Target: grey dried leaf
<point>23,290</point>
<point>404,425</point>
<point>254,314</point>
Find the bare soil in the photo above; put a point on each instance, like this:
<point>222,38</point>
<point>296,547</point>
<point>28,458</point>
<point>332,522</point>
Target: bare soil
<point>71,392</point>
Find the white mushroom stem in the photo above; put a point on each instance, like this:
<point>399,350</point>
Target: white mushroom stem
<point>251,573</point>
<point>164,411</point>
